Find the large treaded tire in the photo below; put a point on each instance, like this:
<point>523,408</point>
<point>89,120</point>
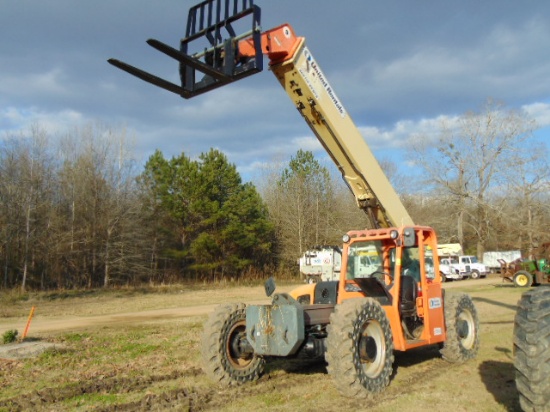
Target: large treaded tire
<point>532,349</point>
<point>222,362</point>
<point>359,348</point>
<point>462,326</point>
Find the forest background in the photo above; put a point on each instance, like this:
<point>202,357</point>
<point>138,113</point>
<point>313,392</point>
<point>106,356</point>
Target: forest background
<point>79,211</point>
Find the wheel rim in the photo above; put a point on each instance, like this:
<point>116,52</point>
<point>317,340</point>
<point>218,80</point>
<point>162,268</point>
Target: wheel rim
<point>466,329</point>
<point>372,349</point>
<point>521,280</point>
<point>235,356</point>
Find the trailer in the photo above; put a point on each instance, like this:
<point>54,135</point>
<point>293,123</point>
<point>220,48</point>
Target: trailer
<point>492,259</point>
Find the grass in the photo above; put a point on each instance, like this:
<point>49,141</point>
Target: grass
<point>153,365</point>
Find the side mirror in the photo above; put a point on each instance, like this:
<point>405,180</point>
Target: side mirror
<point>269,286</point>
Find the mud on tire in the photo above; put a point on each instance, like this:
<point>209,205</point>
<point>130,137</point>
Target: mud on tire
<point>359,348</point>
<point>532,349</point>
<point>462,325</point>
<point>223,337</point>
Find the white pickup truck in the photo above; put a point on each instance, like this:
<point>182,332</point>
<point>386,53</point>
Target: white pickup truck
<point>470,264</point>
<point>448,267</point>
<point>467,265</point>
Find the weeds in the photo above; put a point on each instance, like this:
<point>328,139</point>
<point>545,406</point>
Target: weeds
<point>9,336</point>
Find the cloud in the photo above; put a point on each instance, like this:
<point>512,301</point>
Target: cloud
<point>400,70</point>
<point>398,135</point>
<point>540,112</point>
<point>34,84</point>
<point>504,63</point>
<point>14,120</point>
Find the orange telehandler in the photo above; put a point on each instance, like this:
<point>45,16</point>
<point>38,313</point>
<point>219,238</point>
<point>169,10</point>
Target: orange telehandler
<point>357,322</point>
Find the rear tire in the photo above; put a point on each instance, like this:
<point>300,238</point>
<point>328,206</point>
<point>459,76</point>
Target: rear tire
<point>523,279</point>
<point>359,348</point>
<point>462,325</point>
<point>222,358</point>
<point>532,349</point>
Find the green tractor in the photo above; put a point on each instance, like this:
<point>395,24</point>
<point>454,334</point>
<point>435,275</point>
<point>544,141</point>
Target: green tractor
<point>525,272</point>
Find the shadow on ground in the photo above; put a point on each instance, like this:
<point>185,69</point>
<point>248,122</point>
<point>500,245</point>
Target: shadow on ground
<point>498,378</point>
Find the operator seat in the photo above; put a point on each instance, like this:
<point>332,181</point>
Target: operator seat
<point>408,295</point>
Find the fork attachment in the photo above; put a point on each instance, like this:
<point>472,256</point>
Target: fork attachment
<point>220,62</point>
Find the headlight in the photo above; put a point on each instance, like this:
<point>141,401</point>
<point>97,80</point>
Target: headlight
<point>346,238</point>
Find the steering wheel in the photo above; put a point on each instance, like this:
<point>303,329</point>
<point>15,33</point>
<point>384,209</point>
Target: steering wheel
<point>380,275</point>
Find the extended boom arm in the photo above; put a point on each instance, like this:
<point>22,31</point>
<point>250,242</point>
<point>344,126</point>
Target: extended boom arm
<point>292,63</point>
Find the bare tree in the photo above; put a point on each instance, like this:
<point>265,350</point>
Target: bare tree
<point>469,158</point>
<point>299,202</point>
<point>26,190</point>
<point>74,219</point>
<point>97,178</point>
<point>528,188</point>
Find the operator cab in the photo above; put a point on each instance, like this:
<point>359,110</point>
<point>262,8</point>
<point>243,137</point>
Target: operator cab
<point>393,267</point>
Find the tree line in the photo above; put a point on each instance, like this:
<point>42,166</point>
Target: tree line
<point>78,211</point>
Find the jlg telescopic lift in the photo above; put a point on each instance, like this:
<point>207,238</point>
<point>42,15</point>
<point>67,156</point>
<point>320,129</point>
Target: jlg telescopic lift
<point>355,323</point>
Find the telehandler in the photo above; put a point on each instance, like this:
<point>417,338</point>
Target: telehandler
<point>357,322</point>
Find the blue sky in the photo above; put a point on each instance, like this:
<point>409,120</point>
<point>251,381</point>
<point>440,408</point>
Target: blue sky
<point>398,67</point>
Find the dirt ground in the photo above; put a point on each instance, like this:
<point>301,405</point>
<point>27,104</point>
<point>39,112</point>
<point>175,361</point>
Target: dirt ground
<point>45,324</point>
<point>421,380</point>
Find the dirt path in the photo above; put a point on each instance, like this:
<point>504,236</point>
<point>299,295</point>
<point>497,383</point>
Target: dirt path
<point>45,324</point>
<point>52,324</point>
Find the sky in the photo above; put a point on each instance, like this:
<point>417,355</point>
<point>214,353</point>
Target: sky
<point>399,67</point>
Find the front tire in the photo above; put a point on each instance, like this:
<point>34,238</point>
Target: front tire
<point>532,349</point>
<point>462,325</point>
<point>475,274</point>
<point>359,348</point>
<point>523,279</point>
<point>226,355</point>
